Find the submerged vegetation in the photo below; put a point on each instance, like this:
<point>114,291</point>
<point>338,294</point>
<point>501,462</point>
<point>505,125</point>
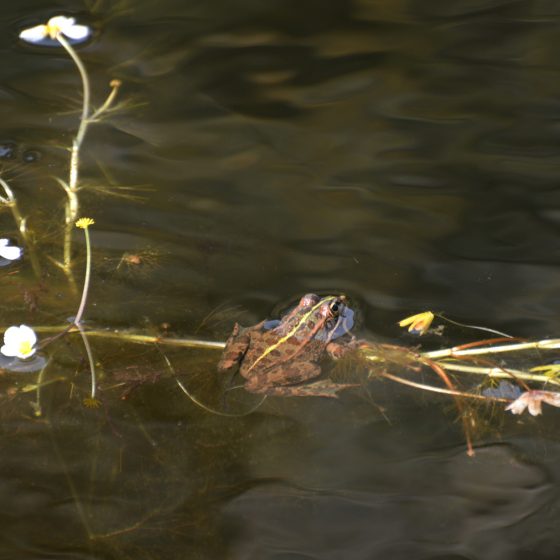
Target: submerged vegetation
<point>484,371</point>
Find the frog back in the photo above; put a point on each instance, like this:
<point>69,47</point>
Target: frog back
<point>266,350</point>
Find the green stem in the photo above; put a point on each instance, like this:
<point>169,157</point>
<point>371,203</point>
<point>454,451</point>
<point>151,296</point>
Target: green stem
<point>37,405</point>
<point>433,389</point>
<point>474,327</point>
<point>219,412</point>
<point>80,313</point>
<point>115,85</point>
<point>85,291</point>
<point>148,339</point>
<point>90,359</point>
<point>72,203</point>
<point>84,121</point>
<point>496,372</point>
<point>130,337</point>
<point>552,344</point>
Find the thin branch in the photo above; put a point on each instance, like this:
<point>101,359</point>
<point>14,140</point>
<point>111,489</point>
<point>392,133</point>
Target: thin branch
<point>551,344</point>
<point>497,372</point>
<point>433,389</point>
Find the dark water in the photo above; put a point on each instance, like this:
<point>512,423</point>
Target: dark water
<point>405,153</point>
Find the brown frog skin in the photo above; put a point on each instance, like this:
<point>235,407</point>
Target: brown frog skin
<point>278,361</point>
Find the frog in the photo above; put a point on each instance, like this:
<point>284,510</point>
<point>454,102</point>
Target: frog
<point>280,358</point>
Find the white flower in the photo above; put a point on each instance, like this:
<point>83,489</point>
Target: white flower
<point>11,253</point>
<point>19,342</point>
<point>533,401</point>
<point>57,24</point>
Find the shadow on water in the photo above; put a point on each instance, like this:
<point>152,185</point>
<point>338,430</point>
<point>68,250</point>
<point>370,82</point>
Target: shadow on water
<point>403,152</point>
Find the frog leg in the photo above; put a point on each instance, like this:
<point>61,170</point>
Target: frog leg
<point>323,388</point>
<point>337,350</point>
<point>235,349</point>
<point>282,382</point>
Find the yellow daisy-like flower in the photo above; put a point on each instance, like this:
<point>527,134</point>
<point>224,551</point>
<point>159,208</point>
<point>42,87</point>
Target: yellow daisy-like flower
<point>90,402</point>
<point>419,323</point>
<point>84,223</point>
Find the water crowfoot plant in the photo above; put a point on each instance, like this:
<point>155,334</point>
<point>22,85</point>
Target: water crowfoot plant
<point>63,29</point>
<point>85,223</point>
<point>91,401</point>
<point>20,342</point>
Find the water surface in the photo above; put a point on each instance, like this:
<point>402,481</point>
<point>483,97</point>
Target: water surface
<point>404,153</point>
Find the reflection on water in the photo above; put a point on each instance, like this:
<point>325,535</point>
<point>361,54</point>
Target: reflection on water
<point>403,152</point>
<point>392,521</point>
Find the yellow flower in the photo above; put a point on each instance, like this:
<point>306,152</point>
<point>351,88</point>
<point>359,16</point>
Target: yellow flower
<point>90,402</point>
<point>419,323</point>
<point>84,223</point>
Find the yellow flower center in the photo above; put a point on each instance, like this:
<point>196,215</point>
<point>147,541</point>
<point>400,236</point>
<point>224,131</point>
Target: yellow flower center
<point>25,348</point>
<point>52,30</point>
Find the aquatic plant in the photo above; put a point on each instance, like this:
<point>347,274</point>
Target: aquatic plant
<point>91,401</point>
<point>85,223</point>
<point>20,342</point>
<point>61,29</point>
<point>464,372</point>
<point>419,323</point>
<point>472,359</point>
<point>56,27</point>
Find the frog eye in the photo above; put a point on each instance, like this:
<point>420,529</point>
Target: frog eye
<point>336,307</point>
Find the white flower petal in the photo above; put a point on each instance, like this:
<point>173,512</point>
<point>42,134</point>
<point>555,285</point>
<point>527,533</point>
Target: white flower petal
<point>519,405</point>
<point>4,242</point>
<point>8,351</point>
<point>19,342</point>
<point>516,407</point>
<point>551,398</point>
<point>61,22</point>
<point>77,32</point>
<point>34,34</point>
<point>535,406</point>
<point>57,24</point>
<point>10,253</point>
<point>27,333</point>
<point>11,336</point>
